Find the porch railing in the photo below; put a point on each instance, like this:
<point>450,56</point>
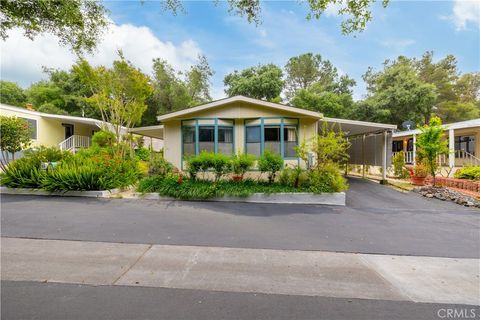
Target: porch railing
<point>462,158</point>
<point>75,142</point>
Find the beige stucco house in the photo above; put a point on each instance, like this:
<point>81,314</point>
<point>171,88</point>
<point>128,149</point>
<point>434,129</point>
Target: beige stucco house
<point>463,141</point>
<point>240,124</point>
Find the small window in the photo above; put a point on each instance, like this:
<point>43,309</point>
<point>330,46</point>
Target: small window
<point>225,140</point>
<point>189,141</point>
<point>290,141</point>
<point>206,138</point>
<point>253,138</point>
<point>272,139</point>
<point>32,124</point>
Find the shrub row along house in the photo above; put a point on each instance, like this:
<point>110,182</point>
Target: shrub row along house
<point>244,125</point>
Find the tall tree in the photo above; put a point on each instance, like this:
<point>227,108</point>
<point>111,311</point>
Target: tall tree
<point>309,71</point>
<point>260,82</point>
<point>12,94</point>
<point>398,93</point>
<point>198,81</point>
<point>120,93</point>
<point>328,103</point>
<point>77,23</point>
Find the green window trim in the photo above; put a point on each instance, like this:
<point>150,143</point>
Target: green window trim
<point>282,125</point>
<point>197,127</point>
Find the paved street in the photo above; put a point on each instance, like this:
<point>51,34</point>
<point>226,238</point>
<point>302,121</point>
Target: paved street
<point>386,255</point>
<point>376,220</point>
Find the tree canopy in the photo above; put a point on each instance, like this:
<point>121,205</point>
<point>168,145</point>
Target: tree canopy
<point>260,82</point>
<point>78,24</point>
<point>12,94</point>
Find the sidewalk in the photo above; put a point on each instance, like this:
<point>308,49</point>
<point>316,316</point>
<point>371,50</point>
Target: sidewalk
<point>307,273</point>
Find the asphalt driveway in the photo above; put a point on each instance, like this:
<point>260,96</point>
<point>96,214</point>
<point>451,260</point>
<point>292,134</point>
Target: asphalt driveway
<point>377,219</point>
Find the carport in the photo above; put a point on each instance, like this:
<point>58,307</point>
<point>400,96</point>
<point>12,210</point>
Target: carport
<point>370,142</point>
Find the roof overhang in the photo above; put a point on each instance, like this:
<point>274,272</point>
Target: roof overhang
<point>150,131</point>
<point>354,127</point>
<point>455,126</point>
<point>281,107</point>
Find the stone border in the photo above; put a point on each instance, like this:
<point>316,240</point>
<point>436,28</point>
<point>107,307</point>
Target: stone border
<point>334,199</point>
<point>40,192</point>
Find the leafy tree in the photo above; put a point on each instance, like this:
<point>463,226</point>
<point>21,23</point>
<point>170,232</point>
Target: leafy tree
<point>14,136</point>
<point>398,94</point>
<point>328,103</point>
<point>260,82</point>
<point>77,23</point>
<point>120,94</point>
<point>458,111</point>
<point>309,71</point>
<point>430,144</point>
<point>51,108</point>
<point>45,92</point>
<point>198,81</point>
<point>12,94</point>
<point>357,11</point>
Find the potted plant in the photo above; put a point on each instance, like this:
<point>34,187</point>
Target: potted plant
<point>418,174</point>
<point>241,163</point>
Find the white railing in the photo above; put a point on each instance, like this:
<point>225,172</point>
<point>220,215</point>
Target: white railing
<point>74,142</point>
<point>463,157</point>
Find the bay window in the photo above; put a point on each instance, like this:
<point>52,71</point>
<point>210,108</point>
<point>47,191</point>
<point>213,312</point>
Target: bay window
<point>210,135</point>
<point>278,135</point>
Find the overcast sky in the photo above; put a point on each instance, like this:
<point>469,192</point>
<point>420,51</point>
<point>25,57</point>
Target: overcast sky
<point>144,32</point>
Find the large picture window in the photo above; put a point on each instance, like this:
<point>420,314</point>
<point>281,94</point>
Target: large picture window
<point>465,144</point>
<point>214,135</point>
<point>272,138</point>
<point>32,124</point>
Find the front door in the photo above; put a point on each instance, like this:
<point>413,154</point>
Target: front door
<point>68,130</point>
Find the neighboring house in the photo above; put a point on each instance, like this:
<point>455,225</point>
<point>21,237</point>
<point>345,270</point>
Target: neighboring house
<point>463,141</point>
<point>241,124</point>
<point>65,132</point>
<point>53,130</point>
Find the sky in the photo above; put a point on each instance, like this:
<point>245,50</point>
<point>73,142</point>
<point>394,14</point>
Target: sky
<point>143,31</point>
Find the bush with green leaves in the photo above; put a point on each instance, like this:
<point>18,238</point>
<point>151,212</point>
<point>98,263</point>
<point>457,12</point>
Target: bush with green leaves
<point>271,163</point>
<point>470,173</point>
<point>398,161</point>
<point>89,169</point>
<point>294,177</point>
<point>15,135</point>
<point>219,163</point>
<point>158,166</point>
<point>241,163</point>
<point>142,153</point>
<point>327,179</point>
<point>104,138</point>
<point>194,166</point>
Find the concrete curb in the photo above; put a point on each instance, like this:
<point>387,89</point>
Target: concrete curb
<point>334,199</point>
<point>40,192</point>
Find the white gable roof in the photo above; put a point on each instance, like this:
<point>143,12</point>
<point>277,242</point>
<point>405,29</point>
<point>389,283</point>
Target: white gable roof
<point>455,125</point>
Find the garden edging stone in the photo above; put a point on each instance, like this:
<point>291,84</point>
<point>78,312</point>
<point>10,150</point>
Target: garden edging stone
<point>335,198</point>
<point>40,192</point>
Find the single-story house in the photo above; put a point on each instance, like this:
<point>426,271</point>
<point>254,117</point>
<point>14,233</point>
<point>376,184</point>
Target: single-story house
<point>242,124</point>
<point>463,142</point>
<point>65,132</point>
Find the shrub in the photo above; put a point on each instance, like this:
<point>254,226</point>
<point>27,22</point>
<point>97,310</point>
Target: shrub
<point>398,161</point>
<point>23,173</point>
<point>294,177</point>
<point>327,179</point>
<point>221,165</point>
<point>103,138</point>
<point>194,165</point>
<point>158,166</point>
<point>471,173</point>
<point>81,178</point>
<point>271,163</point>
<point>14,136</point>
<point>47,154</point>
<point>420,170</point>
<point>143,153</point>
<point>241,163</point>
